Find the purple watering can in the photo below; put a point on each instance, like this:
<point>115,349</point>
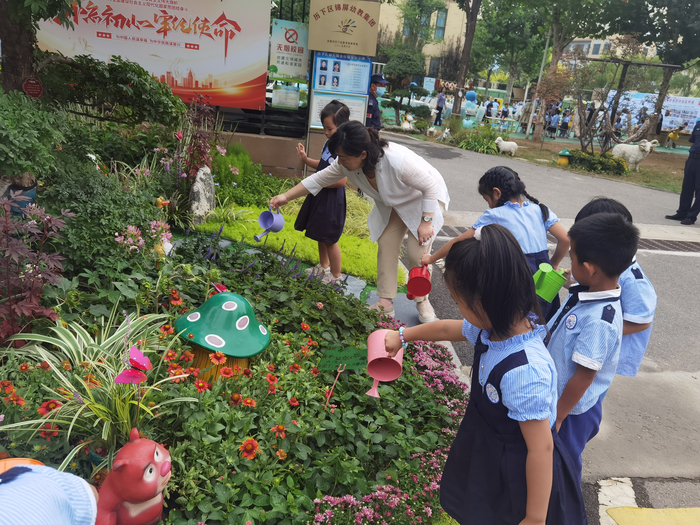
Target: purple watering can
<point>270,222</point>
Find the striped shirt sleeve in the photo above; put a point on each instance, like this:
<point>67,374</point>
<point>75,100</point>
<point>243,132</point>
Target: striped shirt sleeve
<point>528,392</point>
<point>638,300</point>
<point>470,331</point>
<point>551,220</point>
<point>597,340</point>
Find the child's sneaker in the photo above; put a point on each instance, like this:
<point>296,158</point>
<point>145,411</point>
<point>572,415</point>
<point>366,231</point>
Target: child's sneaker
<point>329,279</point>
<point>318,270</point>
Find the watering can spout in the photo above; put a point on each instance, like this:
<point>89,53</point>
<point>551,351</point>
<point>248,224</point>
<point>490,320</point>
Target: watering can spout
<point>259,237</point>
<point>374,392</point>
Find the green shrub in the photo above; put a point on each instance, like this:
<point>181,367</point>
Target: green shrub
<point>421,125</point>
<point>235,166</point>
<point>255,188</point>
<point>483,140</point>
<point>597,163</point>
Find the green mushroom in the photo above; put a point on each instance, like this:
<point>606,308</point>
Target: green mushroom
<point>225,323</point>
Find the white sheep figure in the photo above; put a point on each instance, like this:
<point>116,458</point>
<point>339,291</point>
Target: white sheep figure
<point>506,147</point>
<point>633,154</point>
<point>446,135</point>
<point>432,132</point>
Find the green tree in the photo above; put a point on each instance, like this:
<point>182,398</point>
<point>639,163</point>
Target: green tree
<point>18,24</point>
<point>471,8</point>
<point>417,14</point>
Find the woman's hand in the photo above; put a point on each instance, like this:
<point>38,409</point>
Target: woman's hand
<point>426,259</point>
<point>301,152</point>
<point>279,200</point>
<point>425,232</point>
<point>392,343</point>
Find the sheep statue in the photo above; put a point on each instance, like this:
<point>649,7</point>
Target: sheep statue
<point>446,135</point>
<point>432,132</point>
<point>506,147</point>
<point>633,154</point>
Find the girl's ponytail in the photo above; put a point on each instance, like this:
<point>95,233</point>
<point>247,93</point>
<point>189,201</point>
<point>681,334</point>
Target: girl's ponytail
<point>508,181</point>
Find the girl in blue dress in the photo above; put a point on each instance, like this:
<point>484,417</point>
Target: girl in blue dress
<point>507,465</point>
<point>323,215</point>
<point>529,221</point>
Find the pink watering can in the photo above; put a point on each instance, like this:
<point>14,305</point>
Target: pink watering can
<point>418,284</point>
<point>270,222</point>
<point>380,366</point>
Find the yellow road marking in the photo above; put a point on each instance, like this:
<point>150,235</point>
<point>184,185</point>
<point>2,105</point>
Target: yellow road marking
<point>637,516</point>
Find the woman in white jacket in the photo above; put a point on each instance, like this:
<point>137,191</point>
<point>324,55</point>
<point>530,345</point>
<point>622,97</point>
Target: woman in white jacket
<point>408,195</point>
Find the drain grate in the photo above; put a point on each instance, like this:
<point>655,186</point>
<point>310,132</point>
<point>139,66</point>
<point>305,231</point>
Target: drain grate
<point>644,244</point>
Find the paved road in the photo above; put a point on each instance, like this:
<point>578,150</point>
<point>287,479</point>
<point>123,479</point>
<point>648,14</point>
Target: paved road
<point>651,422</point>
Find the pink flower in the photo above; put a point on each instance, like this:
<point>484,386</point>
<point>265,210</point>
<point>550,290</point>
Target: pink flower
<point>319,306</point>
<point>221,150</point>
<point>178,135</point>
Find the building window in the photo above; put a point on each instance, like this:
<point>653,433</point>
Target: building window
<point>607,46</point>
<point>441,23</point>
<point>596,49</point>
<point>434,68</point>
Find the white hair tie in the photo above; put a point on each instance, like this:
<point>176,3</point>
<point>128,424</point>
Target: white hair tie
<point>477,233</point>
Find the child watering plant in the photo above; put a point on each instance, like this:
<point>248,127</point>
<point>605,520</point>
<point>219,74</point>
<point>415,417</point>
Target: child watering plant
<point>323,215</point>
<point>507,465</point>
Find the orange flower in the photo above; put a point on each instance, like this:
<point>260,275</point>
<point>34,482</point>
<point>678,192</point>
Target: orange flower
<point>25,367</point>
<point>226,372</point>
<point>194,372</point>
<point>177,372</point>
<point>249,402</point>
<point>166,329</point>
<point>294,369</point>
<point>173,366</point>
<point>49,406</point>
<point>44,366</point>
<point>247,372</point>
<point>281,454</point>
<point>7,386</point>
<point>191,336</point>
<point>236,399</point>
<point>271,368</point>
<point>170,355</point>
<point>84,364</point>
<point>294,402</point>
<point>50,430</point>
<point>201,385</point>
<point>314,371</point>
<point>66,365</point>
<point>217,358</point>
<point>249,448</point>
<point>279,431</point>
<point>92,382</point>
<point>187,356</point>
<point>176,301</point>
<point>15,400</point>
<point>271,378</point>
<point>305,327</point>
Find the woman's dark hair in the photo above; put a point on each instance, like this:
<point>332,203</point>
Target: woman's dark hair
<point>354,138</point>
<point>492,275</point>
<point>603,205</point>
<point>508,181</point>
<point>336,109</point>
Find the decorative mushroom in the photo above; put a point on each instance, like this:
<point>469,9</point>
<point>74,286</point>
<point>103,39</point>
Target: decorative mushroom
<point>225,323</point>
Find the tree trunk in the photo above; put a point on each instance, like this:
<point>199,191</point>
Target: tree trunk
<point>472,11</point>
<point>511,81</point>
<point>663,89</point>
<point>17,50</point>
<point>488,84</point>
<point>539,126</point>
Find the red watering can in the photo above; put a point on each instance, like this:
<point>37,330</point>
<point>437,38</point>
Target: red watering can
<point>418,284</point>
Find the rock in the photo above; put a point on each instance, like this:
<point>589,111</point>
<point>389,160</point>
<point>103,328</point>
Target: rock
<point>202,199</point>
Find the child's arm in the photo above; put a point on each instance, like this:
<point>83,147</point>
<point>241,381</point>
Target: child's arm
<point>562,237</point>
<point>449,330</point>
<point>426,258</point>
<point>301,152</point>
<point>628,327</point>
<point>573,392</point>
<point>538,469</point>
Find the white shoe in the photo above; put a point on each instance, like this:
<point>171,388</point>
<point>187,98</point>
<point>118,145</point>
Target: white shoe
<point>317,270</point>
<point>329,279</point>
<point>426,314</point>
<point>383,309</point>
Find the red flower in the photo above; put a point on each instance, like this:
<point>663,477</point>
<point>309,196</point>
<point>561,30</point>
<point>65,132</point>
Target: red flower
<point>217,358</point>
<point>174,292</point>
<point>176,301</point>
<point>287,343</point>
<point>178,135</point>
<point>294,402</point>
<point>305,351</point>
<point>249,448</point>
<point>272,389</point>
<point>49,431</point>
<point>191,336</point>
<point>281,454</point>
<point>15,400</point>
<point>66,365</point>
<point>44,366</point>
<point>166,329</point>
<point>279,431</point>
<point>305,327</point>
<point>170,355</point>
<point>236,399</point>
<point>25,367</point>
<point>314,371</point>
<point>201,385</point>
<point>271,368</point>
<point>226,372</point>
<point>92,382</point>
<point>100,477</point>
<point>7,386</point>
<point>249,402</point>
<point>173,366</point>
<point>294,369</point>
<point>194,372</point>
<point>4,455</point>
<point>49,406</point>
<point>328,394</point>
<point>271,379</point>
<point>177,372</point>
<point>247,372</point>
<point>187,356</point>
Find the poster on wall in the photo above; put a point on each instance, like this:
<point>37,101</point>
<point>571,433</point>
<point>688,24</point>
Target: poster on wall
<point>285,97</point>
<point>429,83</point>
<point>342,73</point>
<point>217,49</point>
<point>681,109</point>
<point>319,99</point>
<point>289,51</point>
<point>347,27</point>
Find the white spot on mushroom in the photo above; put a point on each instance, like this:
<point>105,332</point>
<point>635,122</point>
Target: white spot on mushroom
<point>242,322</point>
<point>194,316</point>
<point>229,306</point>
<point>262,330</point>
<point>215,341</point>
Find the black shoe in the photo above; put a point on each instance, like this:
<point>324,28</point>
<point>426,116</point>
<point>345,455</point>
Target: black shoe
<point>688,221</point>
<point>676,217</point>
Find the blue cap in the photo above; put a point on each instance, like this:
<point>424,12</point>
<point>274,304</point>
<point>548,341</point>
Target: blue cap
<point>378,79</point>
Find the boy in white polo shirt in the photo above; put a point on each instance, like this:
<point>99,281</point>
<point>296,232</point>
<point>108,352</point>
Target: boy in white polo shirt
<point>586,332</point>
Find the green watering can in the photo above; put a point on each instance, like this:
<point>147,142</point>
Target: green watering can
<point>548,282</point>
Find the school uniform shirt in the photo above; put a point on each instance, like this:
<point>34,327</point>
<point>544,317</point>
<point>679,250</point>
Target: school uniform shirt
<point>587,331</point>
<point>555,121</point>
<point>407,183</point>
<point>529,392</point>
<point>638,301</point>
<point>45,496</point>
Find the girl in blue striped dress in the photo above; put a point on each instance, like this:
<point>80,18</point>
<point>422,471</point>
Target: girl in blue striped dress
<point>507,465</point>
<point>529,221</point>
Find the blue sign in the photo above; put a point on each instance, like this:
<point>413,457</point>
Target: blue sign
<point>337,72</point>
